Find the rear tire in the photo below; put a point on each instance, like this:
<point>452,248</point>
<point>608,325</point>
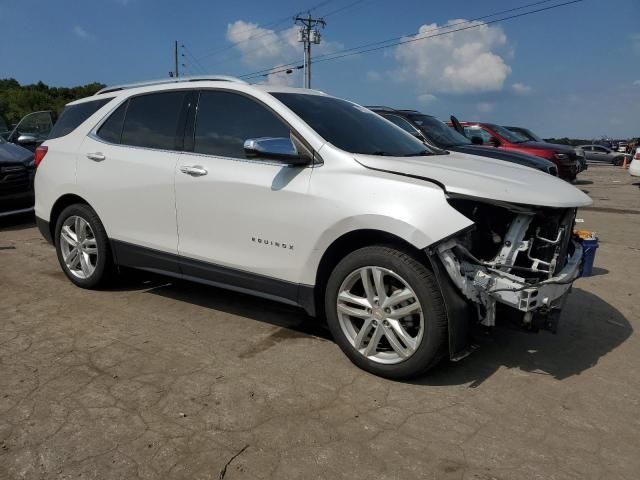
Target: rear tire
<point>385,311</point>
<point>82,246</point>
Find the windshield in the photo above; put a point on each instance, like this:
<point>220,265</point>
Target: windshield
<point>439,133</point>
<point>533,136</point>
<point>507,134</point>
<point>351,127</point>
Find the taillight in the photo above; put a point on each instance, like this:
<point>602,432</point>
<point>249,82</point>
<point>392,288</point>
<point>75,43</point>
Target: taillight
<point>39,154</point>
<point>637,157</point>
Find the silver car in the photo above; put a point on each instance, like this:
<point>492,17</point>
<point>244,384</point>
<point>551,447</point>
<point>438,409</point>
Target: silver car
<point>600,153</point>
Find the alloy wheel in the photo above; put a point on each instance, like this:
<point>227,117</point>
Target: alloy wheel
<point>380,314</point>
<point>79,247</point>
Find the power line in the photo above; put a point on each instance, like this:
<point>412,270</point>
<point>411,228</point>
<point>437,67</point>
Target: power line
<point>399,41</point>
<point>502,12</point>
<point>187,54</point>
<point>411,40</point>
<point>263,34</point>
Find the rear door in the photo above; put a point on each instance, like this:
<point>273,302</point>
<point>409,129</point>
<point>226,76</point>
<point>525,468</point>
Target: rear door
<point>126,168</point>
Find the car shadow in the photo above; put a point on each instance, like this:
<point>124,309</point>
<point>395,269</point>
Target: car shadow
<point>583,182</point>
<point>597,271</point>
<point>17,222</point>
<point>589,329</point>
<point>287,317</point>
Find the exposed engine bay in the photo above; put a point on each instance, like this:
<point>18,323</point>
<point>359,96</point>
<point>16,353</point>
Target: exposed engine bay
<point>520,256</point>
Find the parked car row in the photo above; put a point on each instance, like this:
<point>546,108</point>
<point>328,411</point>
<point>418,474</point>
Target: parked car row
<point>437,134</point>
<point>402,243</point>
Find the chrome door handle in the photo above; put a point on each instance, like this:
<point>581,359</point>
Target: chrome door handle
<point>96,157</point>
<point>193,170</point>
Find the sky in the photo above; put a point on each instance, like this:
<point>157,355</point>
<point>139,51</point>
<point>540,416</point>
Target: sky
<point>572,71</point>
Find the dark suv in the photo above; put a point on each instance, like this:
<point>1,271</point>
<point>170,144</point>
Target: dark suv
<point>436,133</point>
<point>16,179</point>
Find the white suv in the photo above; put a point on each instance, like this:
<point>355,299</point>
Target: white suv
<point>310,200</point>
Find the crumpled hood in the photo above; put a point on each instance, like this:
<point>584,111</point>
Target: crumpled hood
<point>483,177</point>
<point>14,154</point>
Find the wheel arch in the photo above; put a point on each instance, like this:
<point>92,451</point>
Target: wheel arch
<point>59,205</point>
<point>350,242</point>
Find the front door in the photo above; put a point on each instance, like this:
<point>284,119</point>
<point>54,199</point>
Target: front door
<point>239,218</point>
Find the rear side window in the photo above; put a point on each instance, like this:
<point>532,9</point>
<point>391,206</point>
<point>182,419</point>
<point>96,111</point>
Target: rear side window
<point>73,115</point>
<point>111,130</point>
<point>152,120</point>
<point>225,120</point>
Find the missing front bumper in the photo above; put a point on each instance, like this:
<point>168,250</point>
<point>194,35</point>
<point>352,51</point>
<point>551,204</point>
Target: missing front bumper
<point>539,303</point>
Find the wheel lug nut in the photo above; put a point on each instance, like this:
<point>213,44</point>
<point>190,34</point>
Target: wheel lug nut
<point>387,310</point>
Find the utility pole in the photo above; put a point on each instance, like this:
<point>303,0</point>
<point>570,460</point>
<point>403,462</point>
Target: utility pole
<point>175,54</point>
<point>309,34</point>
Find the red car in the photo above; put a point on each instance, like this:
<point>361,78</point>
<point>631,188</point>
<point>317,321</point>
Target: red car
<point>497,136</point>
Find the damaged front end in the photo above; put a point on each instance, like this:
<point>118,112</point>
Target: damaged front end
<point>517,259</point>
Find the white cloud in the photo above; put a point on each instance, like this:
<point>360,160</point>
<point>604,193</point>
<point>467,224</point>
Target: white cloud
<point>485,107</point>
<point>264,48</point>
<point>521,88</point>
<point>81,32</point>
<point>458,62</point>
<point>426,98</point>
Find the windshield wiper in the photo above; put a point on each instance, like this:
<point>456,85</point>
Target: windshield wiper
<point>422,153</point>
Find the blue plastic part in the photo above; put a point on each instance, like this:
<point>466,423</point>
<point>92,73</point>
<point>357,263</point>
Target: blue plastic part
<point>589,248</point>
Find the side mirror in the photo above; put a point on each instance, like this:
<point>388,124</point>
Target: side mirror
<point>27,140</point>
<point>494,141</point>
<point>279,148</point>
<point>476,140</point>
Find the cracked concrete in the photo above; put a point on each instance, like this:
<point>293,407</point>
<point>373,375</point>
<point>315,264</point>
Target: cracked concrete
<point>161,379</point>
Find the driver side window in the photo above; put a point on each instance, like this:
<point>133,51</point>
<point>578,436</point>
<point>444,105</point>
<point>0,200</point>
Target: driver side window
<point>475,131</point>
<point>225,120</point>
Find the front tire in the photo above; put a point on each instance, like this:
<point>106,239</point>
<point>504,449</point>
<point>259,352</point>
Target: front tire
<point>385,311</point>
<point>82,246</point>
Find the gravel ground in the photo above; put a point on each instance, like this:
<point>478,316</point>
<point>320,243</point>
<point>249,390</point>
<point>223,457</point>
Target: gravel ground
<point>161,379</point>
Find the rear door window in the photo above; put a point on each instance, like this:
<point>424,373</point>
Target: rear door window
<point>74,115</point>
<point>152,120</point>
<point>225,120</point>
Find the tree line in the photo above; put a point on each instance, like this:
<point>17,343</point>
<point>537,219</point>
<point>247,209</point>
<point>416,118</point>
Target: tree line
<point>18,100</point>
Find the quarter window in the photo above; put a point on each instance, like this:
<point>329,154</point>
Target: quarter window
<point>111,130</point>
<point>152,120</point>
<point>225,120</point>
